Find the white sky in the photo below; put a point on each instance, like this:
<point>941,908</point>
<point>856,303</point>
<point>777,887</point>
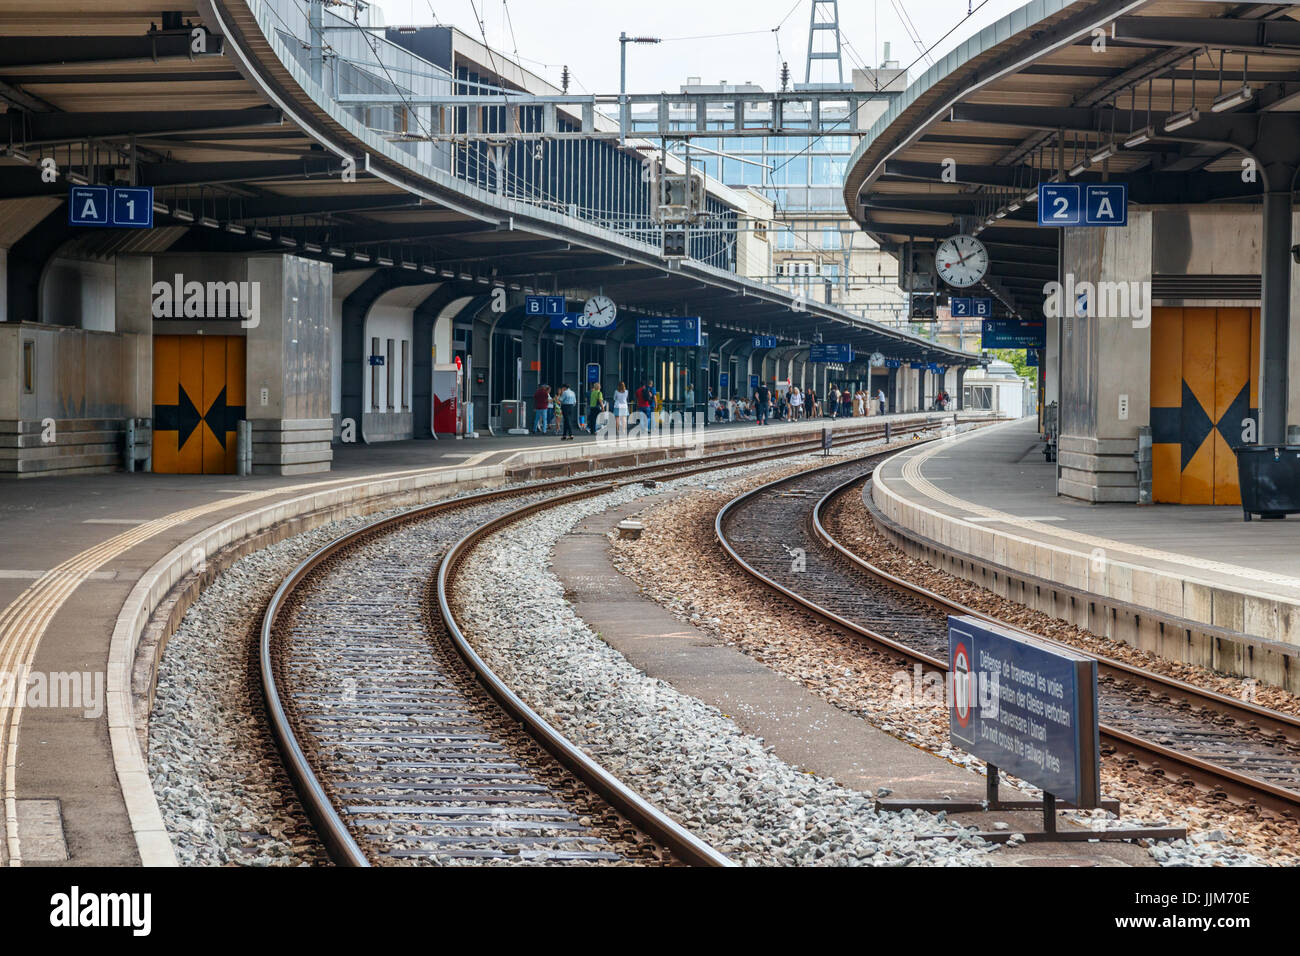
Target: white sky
<point>584,35</point>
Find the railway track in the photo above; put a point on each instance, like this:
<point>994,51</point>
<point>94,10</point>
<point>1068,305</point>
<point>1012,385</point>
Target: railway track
<point>401,743</point>
<point>1230,748</point>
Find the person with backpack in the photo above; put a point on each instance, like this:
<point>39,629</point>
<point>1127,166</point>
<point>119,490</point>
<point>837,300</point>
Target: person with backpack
<point>645,404</point>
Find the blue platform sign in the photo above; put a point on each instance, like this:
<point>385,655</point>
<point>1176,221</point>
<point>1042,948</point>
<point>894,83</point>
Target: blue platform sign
<point>545,305</point>
<point>753,382</point>
<point>764,341</point>
<point>89,206</point>
<point>593,373</point>
<point>893,363</point>
<point>724,379</point>
<point>830,352</point>
<point>1012,334</point>
<point>961,307</point>
<point>376,360</point>
<point>1083,204</point>
<point>704,352</point>
<point>1105,204</point>
<point>1031,357</point>
<point>132,207</point>
<point>983,308</point>
<point>1025,706</point>
<point>669,330</point>
<point>570,321</point>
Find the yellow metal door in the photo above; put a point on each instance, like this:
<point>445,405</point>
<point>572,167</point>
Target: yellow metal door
<point>198,399</point>
<point>1203,401</point>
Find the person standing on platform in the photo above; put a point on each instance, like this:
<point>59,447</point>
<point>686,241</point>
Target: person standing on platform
<point>645,404</point>
<point>568,412</point>
<point>810,402</point>
<point>832,402</point>
<point>761,397</point>
<point>796,403</point>
<point>880,396</point>
<point>689,411</point>
<point>595,405</point>
<point>620,410</point>
<point>541,403</point>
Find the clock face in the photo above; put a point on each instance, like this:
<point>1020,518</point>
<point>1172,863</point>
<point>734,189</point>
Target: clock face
<point>961,261</point>
<point>599,312</point>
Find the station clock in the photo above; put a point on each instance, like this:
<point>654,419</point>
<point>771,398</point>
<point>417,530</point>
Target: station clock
<point>961,261</point>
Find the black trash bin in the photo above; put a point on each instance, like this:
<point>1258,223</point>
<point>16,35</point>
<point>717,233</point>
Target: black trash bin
<point>1270,480</point>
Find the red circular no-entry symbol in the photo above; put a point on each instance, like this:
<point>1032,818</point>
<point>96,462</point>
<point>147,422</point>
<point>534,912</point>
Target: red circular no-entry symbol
<point>962,677</point>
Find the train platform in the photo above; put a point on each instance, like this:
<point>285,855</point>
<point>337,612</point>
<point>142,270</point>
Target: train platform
<point>1192,583</point>
<point>99,569</point>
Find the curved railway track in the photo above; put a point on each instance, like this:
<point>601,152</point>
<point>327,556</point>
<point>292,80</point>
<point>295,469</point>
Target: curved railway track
<point>401,743</point>
<point>1232,748</point>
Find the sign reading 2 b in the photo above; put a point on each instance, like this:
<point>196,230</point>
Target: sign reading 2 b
<point>1082,204</point>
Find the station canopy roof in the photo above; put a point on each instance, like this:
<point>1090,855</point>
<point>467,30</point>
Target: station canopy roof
<point>1163,96</point>
<point>243,158</point>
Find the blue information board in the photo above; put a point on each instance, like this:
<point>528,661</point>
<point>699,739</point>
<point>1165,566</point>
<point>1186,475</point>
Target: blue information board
<point>89,206</point>
<point>764,341</point>
<point>376,360</point>
<point>1083,204</point>
<point>132,207</point>
<point>1026,706</point>
<point>724,379</point>
<point>753,382</point>
<point>1031,357</point>
<point>1012,334</point>
<point>668,330</point>
<point>593,373</point>
<point>704,352</point>
<point>830,352</point>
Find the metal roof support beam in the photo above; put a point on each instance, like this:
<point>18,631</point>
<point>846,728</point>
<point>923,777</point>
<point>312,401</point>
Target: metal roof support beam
<point>34,128</point>
<point>1248,36</point>
<point>969,174</point>
<point>32,51</point>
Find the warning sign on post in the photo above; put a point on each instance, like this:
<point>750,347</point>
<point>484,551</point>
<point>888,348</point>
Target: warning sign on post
<point>1026,706</point>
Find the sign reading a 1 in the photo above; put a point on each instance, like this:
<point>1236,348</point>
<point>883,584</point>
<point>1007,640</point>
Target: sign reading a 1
<point>1082,204</point>
<point>121,207</point>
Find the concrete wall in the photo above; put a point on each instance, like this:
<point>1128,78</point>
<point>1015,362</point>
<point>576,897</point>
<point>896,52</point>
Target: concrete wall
<point>78,293</point>
<point>71,419</point>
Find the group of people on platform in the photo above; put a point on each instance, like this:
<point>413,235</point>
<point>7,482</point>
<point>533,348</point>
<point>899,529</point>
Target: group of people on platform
<point>556,411</point>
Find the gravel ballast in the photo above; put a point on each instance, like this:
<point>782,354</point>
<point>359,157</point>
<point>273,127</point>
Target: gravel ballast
<point>678,752</point>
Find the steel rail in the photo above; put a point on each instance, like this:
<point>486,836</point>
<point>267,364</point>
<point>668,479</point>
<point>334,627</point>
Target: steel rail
<point>337,838</point>
<point>1148,752</point>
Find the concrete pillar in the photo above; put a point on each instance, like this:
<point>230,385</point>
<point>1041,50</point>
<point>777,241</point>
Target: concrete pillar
<point>133,310</point>
<point>1275,317</point>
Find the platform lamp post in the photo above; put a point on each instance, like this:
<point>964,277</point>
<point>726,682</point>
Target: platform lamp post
<point>623,118</point>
